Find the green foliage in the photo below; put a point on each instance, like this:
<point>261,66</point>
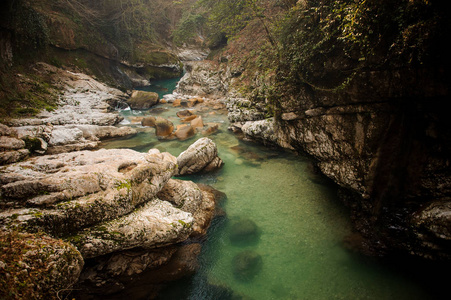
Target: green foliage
<point>29,28</point>
<point>361,34</point>
<point>187,28</point>
<point>23,96</point>
<point>229,17</point>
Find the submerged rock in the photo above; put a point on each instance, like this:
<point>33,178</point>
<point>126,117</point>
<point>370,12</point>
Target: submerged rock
<point>163,127</point>
<point>244,231</point>
<point>246,265</point>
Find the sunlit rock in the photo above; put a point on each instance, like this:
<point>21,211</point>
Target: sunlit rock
<point>198,156</point>
<point>143,100</point>
<point>185,132</point>
<point>163,127</point>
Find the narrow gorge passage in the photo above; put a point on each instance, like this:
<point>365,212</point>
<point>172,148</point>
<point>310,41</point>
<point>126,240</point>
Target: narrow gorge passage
<point>282,236</point>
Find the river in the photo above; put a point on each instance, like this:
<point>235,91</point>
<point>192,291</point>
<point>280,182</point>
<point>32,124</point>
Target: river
<point>300,225</point>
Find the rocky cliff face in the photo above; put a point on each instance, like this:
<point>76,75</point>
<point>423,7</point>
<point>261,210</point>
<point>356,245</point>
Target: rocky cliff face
<point>383,140</point>
<point>361,88</point>
<point>389,148</point>
<point>87,36</point>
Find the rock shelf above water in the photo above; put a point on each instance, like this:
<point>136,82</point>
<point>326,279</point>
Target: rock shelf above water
<point>106,201</point>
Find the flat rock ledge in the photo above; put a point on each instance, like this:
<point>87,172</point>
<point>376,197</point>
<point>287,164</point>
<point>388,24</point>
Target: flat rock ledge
<point>85,115</point>
<point>106,201</point>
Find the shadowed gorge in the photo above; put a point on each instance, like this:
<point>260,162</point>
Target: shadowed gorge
<point>207,149</point>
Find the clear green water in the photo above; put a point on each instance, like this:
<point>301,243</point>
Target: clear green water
<point>162,87</point>
<point>300,220</point>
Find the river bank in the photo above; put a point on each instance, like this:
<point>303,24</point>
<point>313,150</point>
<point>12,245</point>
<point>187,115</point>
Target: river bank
<point>95,203</point>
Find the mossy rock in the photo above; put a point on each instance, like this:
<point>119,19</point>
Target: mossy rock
<point>148,54</point>
<point>33,143</point>
<point>244,231</point>
<point>246,265</point>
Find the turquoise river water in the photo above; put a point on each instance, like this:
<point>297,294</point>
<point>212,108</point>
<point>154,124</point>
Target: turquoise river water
<point>301,225</point>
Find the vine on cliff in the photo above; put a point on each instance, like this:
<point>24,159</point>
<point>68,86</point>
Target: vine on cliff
<point>327,42</point>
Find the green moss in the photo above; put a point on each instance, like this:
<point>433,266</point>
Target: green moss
<point>184,224</point>
<point>32,143</point>
<point>127,184</point>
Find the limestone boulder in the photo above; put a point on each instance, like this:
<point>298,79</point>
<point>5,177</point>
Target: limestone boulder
<point>11,143</point>
<point>156,224</point>
<point>189,118</point>
<point>184,194</point>
<point>142,100</point>
<point>184,113</point>
<point>262,130</point>
<point>197,122</point>
<point>63,193</point>
<point>147,270</point>
<point>7,131</point>
<point>189,197</point>
<point>200,155</point>
<point>9,157</point>
<point>11,146</point>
